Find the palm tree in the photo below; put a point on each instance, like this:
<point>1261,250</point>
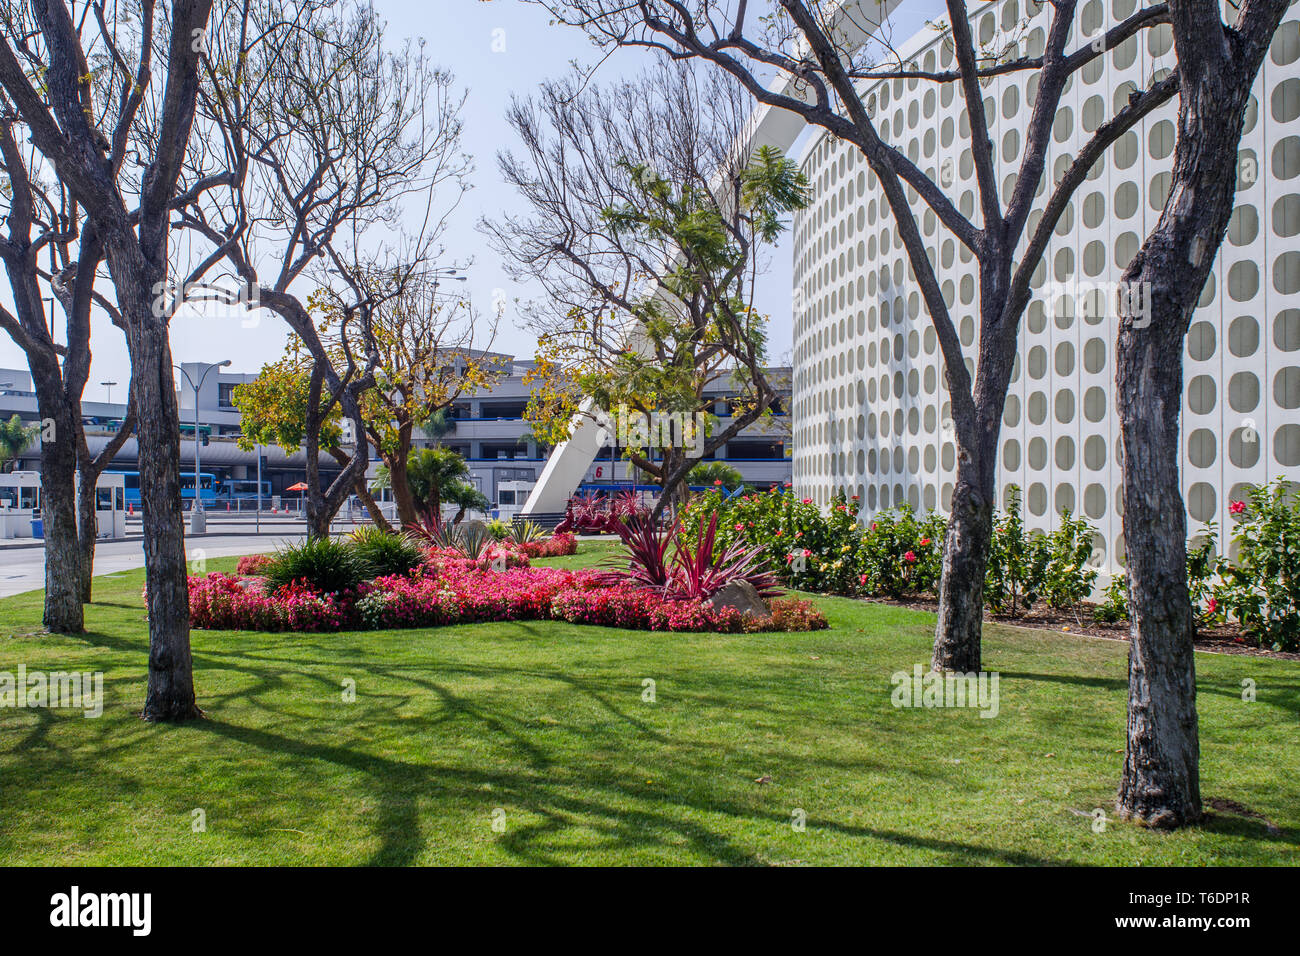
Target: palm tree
<point>14,439</point>
<point>436,475</point>
<point>714,471</point>
<point>466,496</point>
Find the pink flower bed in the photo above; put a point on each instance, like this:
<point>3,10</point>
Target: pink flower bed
<point>227,602</point>
<point>458,592</point>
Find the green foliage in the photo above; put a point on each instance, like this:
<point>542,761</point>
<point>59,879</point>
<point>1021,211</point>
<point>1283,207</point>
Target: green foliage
<point>325,564</point>
<point>384,553</point>
<point>712,472</point>
<point>14,438</point>
<point>273,407</point>
<point>526,532</point>
<point>1261,588</point>
<point>901,554</point>
<point>499,529</point>
<point>1017,565</point>
<point>1203,566</point>
<point>1070,572</point>
<point>1114,608</point>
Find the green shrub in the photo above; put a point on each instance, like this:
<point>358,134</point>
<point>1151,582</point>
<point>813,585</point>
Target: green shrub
<point>1017,565</point>
<point>383,553</point>
<point>1261,588</point>
<point>499,530</point>
<point>327,565</point>
<point>900,554</point>
<point>1203,568</point>
<point>1114,608</point>
<point>1070,574</point>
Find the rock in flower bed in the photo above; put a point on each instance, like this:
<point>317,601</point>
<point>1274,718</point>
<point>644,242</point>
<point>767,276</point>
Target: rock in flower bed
<point>455,590</point>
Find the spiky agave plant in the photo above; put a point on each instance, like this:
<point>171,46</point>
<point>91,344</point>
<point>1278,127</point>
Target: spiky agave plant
<point>526,532</point>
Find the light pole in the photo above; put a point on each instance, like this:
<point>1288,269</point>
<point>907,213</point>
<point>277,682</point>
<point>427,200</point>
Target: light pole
<point>108,400</point>
<point>198,520</point>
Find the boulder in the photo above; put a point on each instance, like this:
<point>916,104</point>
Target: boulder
<point>743,596</point>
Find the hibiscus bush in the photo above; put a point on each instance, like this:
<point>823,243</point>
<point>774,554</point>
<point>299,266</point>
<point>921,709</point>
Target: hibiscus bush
<point>901,554</point>
<point>1260,588</point>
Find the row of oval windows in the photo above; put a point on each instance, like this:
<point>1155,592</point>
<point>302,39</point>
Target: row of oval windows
<point>1244,448</point>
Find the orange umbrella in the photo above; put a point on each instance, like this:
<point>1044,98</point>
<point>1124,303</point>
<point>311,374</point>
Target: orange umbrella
<point>300,486</point>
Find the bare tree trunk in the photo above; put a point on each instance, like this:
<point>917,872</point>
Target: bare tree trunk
<point>1160,786</point>
<point>363,493</point>
<point>376,514</point>
<point>170,694</point>
<point>957,634</point>
<point>401,486</point>
<point>63,610</point>
<point>87,534</point>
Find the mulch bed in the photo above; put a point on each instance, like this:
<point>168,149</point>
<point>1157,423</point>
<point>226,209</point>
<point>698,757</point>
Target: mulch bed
<point>1221,639</point>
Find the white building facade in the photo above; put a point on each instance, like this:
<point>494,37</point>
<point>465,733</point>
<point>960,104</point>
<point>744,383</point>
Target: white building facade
<point>869,401</point>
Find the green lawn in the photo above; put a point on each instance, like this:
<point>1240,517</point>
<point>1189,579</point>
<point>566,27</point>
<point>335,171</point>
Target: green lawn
<point>544,726</point>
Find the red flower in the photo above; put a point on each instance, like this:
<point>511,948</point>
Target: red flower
<point>924,542</point>
<point>806,553</point>
<point>1237,507</point>
<point>807,501</point>
<point>910,557</point>
<point>1211,605</point>
<point>862,579</point>
<point>718,482</point>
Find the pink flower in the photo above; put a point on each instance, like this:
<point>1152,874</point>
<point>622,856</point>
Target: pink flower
<point>862,579</point>
<point>739,526</point>
<point>807,501</point>
<point>779,532</point>
<point>807,553</point>
<point>1211,606</point>
<point>718,482</point>
<point>1237,507</point>
<point>910,557</point>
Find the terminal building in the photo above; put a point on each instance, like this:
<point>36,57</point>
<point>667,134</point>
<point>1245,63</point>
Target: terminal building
<point>486,427</point>
<point>869,402</point>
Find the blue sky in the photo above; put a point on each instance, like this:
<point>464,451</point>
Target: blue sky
<point>495,49</point>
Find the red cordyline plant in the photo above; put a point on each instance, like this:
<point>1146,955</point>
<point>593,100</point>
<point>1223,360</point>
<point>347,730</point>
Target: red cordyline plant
<point>696,569</point>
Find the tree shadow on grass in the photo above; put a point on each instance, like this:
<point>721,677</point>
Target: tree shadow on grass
<point>620,828</point>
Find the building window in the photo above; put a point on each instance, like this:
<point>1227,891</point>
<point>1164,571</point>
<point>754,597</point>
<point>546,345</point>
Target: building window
<point>225,395</point>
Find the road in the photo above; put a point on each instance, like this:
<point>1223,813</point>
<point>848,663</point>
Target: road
<point>23,568</point>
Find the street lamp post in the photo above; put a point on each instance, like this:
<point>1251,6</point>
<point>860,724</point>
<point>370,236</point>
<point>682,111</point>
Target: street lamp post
<point>198,520</point>
<point>108,387</point>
